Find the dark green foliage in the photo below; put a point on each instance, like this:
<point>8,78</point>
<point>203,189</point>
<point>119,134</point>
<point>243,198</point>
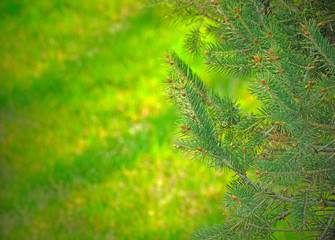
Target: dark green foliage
<point>283,156</point>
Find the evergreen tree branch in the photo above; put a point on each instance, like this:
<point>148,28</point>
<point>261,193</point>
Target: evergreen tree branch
<point>213,19</point>
<point>239,222</point>
<point>321,49</point>
<point>327,150</point>
<point>230,52</point>
<point>294,123</point>
<point>302,172</point>
<point>246,114</point>
<point>248,181</point>
<point>329,223</point>
<point>226,18</point>
<point>320,125</point>
<point>246,27</point>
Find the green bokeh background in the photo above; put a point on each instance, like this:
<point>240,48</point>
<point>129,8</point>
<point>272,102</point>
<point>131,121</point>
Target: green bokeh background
<point>86,134</point>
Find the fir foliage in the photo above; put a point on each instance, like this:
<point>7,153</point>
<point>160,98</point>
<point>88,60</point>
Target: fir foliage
<point>283,156</point>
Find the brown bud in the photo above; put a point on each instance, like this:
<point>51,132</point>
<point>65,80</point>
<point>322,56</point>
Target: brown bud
<point>294,145</point>
<point>191,51</point>
<point>231,144</point>
<point>277,123</point>
<point>182,127</point>
<point>255,41</point>
<point>311,68</point>
<point>306,34</point>
<point>277,58</point>
<point>188,128</point>
<point>323,90</point>
<point>222,37</point>
<point>258,172</point>
<point>228,111</point>
<point>304,228</point>
<point>271,52</point>
<point>235,9</point>
<point>266,172</point>
<point>168,80</point>
<point>227,19</point>
<point>199,149</point>
<point>270,60</point>
<point>244,150</point>
<point>206,52</point>
<point>234,197</point>
<point>269,32</point>
<point>183,94</point>
<point>307,86</point>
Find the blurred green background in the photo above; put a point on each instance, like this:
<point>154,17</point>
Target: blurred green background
<point>86,135</point>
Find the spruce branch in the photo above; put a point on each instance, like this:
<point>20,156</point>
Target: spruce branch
<point>321,44</point>
<point>329,223</point>
<point>288,143</point>
<point>320,125</point>
<point>226,18</point>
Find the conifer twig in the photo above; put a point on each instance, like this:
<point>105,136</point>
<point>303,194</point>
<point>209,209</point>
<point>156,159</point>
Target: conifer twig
<point>320,125</point>
<point>329,223</point>
<point>331,63</point>
<point>325,146</point>
<point>238,109</point>
<point>247,180</point>
<point>198,31</point>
